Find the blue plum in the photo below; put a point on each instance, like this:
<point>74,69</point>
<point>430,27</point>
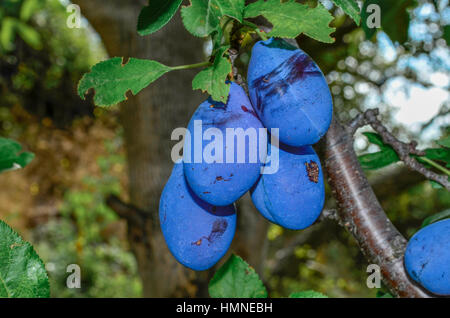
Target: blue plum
<point>289,92</point>
<point>219,177</point>
<point>427,257</point>
<point>294,196</point>
<point>198,234</point>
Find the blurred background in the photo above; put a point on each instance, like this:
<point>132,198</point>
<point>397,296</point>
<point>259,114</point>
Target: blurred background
<point>86,154</point>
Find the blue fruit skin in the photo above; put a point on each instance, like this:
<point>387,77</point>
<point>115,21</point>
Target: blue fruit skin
<point>261,207</point>
<point>197,233</point>
<point>289,92</point>
<point>291,197</point>
<point>223,183</point>
<point>427,257</point>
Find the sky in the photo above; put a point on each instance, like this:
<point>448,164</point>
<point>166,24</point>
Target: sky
<point>415,104</point>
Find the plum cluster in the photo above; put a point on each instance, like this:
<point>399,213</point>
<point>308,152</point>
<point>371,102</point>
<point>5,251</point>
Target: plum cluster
<point>290,97</point>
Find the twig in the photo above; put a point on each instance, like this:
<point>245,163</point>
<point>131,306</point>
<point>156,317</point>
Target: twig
<point>126,211</point>
<point>329,214</point>
<point>403,150</point>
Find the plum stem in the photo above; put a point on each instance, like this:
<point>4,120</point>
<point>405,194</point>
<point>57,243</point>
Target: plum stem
<point>189,66</point>
<point>261,34</point>
<point>436,165</point>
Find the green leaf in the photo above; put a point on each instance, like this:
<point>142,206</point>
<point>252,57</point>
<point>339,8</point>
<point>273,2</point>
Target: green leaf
<point>374,138</point>
<point>236,279</point>
<point>28,8</point>
<point>290,19</point>
<point>307,294</point>
<point>394,18</point>
<point>7,33</point>
<point>202,17</point>
<point>156,15</point>
<point>351,8</point>
<point>446,35</point>
<point>436,217</point>
<point>112,80</point>
<point>379,159</point>
<point>29,35</point>
<point>435,185</point>
<point>22,272</point>
<point>11,155</point>
<point>444,142</point>
<point>213,78</point>
<point>440,154</point>
<point>381,294</point>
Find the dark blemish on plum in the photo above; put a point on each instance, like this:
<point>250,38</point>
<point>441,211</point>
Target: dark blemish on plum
<point>284,75</point>
<point>182,196</point>
<point>422,267</point>
<point>206,192</point>
<point>219,227</point>
<point>252,112</point>
<point>231,175</point>
<point>197,243</point>
<point>220,178</point>
<point>312,168</point>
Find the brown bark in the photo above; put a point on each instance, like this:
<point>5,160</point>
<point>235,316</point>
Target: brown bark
<point>362,215</point>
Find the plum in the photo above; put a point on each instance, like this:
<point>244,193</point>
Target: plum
<point>289,92</point>
<point>427,257</point>
<point>224,177</point>
<point>294,196</point>
<point>198,234</point>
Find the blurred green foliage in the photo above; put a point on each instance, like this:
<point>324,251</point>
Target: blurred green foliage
<point>42,60</point>
<point>86,234</point>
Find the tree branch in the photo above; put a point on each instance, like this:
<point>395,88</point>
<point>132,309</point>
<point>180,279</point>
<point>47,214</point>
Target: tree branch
<point>127,211</point>
<point>403,150</point>
<point>362,214</point>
